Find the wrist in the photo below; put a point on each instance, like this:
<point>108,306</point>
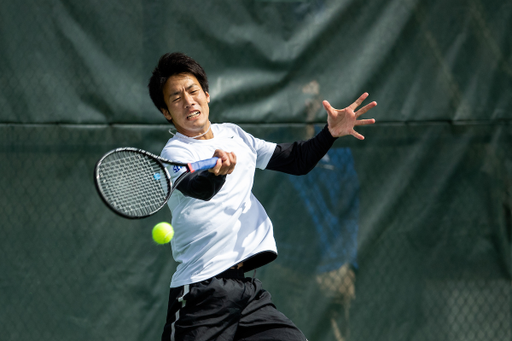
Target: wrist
<point>329,131</point>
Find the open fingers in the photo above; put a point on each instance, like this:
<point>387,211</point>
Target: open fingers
<point>365,122</point>
<point>361,123</point>
<point>356,135</point>
<point>359,101</point>
<point>328,107</point>
<point>366,108</point>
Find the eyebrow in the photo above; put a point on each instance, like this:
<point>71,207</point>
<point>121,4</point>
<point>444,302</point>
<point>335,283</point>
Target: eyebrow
<point>187,88</point>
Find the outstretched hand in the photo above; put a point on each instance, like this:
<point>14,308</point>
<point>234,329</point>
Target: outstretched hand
<point>342,122</point>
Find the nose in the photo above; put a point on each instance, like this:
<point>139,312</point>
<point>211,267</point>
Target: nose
<point>188,100</point>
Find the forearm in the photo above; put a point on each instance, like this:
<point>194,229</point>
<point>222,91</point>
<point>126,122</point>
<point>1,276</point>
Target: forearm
<point>299,158</point>
<point>201,185</point>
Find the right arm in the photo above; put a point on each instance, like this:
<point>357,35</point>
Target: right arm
<point>205,184</point>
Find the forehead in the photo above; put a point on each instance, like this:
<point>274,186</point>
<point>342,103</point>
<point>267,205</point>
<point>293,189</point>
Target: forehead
<point>179,81</point>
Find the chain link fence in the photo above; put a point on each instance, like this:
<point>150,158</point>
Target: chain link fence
<point>404,236</point>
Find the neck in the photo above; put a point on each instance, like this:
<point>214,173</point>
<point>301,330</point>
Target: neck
<point>202,134</point>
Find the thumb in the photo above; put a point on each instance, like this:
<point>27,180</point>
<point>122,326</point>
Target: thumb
<point>327,105</point>
<point>331,112</point>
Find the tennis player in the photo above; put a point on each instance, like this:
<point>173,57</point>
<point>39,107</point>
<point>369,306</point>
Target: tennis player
<point>222,230</point>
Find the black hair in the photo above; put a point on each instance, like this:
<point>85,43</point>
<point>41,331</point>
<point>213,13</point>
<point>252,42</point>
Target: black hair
<point>171,64</point>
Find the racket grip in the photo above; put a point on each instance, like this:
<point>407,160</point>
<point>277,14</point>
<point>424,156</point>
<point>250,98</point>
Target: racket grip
<point>203,164</point>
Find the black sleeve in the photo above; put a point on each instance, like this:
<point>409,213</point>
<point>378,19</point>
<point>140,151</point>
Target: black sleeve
<point>201,184</point>
<point>299,158</point>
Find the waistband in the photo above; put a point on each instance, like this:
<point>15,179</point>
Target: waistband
<point>232,273</point>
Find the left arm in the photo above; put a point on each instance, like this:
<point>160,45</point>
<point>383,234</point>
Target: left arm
<point>299,158</point>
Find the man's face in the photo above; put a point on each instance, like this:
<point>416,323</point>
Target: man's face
<point>187,104</point>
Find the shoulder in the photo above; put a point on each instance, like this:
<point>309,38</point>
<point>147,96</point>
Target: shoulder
<point>227,128</point>
<point>231,130</point>
<point>177,150</point>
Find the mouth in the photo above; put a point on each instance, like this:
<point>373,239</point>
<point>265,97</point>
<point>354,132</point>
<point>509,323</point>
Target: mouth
<point>193,114</point>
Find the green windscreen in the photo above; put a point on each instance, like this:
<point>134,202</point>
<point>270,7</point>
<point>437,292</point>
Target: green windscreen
<point>403,236</point>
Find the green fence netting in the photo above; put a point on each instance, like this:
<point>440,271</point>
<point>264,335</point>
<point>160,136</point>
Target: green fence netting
<point>404,236</point>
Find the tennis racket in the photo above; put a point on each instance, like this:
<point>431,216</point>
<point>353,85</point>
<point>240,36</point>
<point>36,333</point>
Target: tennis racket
<point>135,183</point>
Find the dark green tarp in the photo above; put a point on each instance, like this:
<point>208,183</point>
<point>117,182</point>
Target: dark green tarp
<point>418,215</point>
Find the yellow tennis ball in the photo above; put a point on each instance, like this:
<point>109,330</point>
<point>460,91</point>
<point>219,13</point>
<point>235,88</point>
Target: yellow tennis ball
<point>163,233</point>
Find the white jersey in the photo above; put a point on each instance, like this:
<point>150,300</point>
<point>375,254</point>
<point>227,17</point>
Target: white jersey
<point>212,236</point>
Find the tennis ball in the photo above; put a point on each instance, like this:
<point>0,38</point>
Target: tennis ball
<point>163,233</point>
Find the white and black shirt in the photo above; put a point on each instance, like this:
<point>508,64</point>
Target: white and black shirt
<point>218,222</point>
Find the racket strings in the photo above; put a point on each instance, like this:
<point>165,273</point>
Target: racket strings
<point>133,183</point>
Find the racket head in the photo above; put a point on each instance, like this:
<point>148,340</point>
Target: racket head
<point>132,182</point>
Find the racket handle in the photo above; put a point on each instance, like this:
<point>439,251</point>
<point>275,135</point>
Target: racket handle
<point>203,164</point>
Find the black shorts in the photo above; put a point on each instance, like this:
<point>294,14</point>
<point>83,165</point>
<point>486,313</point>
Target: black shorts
<point>226,307</point>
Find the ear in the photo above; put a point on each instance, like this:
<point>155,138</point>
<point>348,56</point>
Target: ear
<point>207,97</point>
<point>166,114</point>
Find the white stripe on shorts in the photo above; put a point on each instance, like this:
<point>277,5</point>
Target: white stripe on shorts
<point>186,289</point>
